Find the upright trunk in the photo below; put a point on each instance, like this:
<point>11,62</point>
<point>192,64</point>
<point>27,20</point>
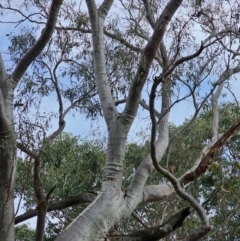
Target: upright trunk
<point>96,220</point>
<point>7,173</point>
<point>110,206</point>
<point>7,157</point>
<point>7,135</point>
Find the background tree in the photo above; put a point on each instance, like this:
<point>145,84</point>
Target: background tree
<point>103,63</point>
<point>24,233</point>
<point>217,189</point>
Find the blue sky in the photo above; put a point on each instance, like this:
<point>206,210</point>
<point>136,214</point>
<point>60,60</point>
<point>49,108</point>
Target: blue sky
<point>78,125</point>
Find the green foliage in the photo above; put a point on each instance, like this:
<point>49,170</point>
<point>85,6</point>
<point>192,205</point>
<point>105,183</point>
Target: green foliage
<point>72,165</point>
<point>20,44</point>
<point>219,185</point>
<point>75,166</point>
<point>24,233</point>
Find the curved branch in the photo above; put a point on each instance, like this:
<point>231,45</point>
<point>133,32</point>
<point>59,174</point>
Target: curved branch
<point>146,107</point>
<point>59,96</point>
<point>36,49</point>
<point>175,182</point>
<point>108,34</point>
<point>154,193</point>
<point>50,138</point>
<point>26,150</point>
<point>148,13</point>
<point>147,57</point>
<point>25,16</point>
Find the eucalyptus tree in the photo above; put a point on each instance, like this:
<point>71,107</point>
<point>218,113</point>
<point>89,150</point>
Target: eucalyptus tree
<point>107,61</point>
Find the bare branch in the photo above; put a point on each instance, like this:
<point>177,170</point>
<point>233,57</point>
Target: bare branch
<point>59,96</point>
<point>25,16</point>
<point>147,57</point>
<point>175,182</point>
<point>148,14</point>
<point>215,111</point>
<point>146,107</point>
<point>105,7</point>
<point>41,200</point>
<point>118,102</point>
<point>182,60</point>
<point>69,202</point>
<point>108,34</point>
<point>40,44</point>
<point>50,138</point>
<point>107,103</point>
<point>158,232</point>
<point>26,150</point>
<point>161,191</point>
<point>221,33</point>
<point>153,193</point>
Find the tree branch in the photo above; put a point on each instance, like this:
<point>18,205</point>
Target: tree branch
<point>69,202</point>
<point>105,7</point>
<point>158,232</point>
<point>202,163</point>
<point>5,125</point>
<point>107,103</point>
<point>106,33</point>
<point>59,96</point>
<point>148,13</point>
<point>36,49</point>
<point>147,57</point>
<point>3,72</point>
<point>42,202</point>
<point>154,193</point>
<point>215,111</point>
<point>26,150</point>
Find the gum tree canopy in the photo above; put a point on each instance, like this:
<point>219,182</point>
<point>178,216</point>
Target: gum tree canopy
<point>114,60</point>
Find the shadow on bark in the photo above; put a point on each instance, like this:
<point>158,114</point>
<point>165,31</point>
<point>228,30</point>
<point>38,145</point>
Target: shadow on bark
<point>158,232</point>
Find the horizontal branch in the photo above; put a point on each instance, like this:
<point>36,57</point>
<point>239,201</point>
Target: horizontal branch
<point>155,193</point>
<point>69,202</point>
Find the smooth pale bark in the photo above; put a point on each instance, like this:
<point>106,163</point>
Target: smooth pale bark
<point>113,205</point>
<point>7,157</point>
<point>37,48</point>
<point>7,137</point>
<point>42,202</point>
